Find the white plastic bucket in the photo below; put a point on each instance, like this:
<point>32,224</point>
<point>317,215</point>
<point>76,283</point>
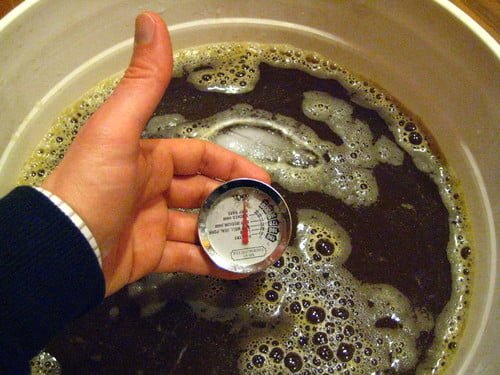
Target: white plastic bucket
<point>429,55</point>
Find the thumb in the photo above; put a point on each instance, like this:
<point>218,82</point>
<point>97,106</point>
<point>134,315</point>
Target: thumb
<point>125,113</point>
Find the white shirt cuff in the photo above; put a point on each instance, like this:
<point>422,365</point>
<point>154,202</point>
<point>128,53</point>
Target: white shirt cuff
<point>77,221</point>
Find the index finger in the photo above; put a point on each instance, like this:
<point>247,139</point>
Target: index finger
<point>193,156</point>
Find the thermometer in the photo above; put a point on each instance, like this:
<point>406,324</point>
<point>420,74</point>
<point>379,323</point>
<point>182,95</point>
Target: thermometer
<point>244,225</point>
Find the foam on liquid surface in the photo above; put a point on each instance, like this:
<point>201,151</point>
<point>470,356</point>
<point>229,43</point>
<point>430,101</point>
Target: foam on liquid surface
<point>317,316</point>
<point>290,151</point>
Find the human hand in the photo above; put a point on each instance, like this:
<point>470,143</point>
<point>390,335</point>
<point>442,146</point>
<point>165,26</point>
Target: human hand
<point>125,188</point>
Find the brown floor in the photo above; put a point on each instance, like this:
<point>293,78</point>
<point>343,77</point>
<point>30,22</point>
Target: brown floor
<point>485,12</point>
<point>7,5</point>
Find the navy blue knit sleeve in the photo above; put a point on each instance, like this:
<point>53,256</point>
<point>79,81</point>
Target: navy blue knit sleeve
<point>49,276</point>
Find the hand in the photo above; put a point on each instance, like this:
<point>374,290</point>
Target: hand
<point>124,188</point>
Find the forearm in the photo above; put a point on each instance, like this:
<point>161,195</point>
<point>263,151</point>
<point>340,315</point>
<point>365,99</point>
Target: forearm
<point>49,275</point>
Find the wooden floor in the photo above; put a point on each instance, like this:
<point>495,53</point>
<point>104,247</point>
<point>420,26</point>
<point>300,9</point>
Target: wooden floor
<point>7,5</point>
<point>485,12</point>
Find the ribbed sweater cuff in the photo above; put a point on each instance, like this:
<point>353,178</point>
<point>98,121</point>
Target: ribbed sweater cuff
<point>49,274</point>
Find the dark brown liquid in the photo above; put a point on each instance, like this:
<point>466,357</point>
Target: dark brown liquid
<point>403,247</point>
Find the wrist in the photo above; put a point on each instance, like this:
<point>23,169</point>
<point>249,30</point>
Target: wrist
<point>75,219</point>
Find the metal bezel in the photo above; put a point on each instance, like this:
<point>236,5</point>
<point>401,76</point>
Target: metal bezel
<point>285,226</point>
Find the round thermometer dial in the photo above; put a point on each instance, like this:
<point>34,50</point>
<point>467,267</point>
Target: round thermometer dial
<point>244,225</point>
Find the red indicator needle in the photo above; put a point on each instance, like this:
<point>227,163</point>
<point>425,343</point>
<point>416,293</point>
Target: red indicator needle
<point>244,224</point>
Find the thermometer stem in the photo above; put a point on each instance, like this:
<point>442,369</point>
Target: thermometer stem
<point>244,224</point>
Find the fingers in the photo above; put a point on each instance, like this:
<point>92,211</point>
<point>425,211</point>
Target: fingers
<point>128,109</point>
<point>190,191</point>
<point>194,156</point>
<point>184,257</point>
<point>182,227</point>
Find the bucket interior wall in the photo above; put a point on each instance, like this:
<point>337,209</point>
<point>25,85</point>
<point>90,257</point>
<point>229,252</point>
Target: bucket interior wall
<point>423,54</point>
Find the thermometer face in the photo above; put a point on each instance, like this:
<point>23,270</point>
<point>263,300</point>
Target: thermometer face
<point>244,226</point>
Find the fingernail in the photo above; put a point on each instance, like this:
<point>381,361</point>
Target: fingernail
<point>144,29</point>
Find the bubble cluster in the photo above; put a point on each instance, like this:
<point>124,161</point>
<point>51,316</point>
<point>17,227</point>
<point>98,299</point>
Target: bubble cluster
<point>320,318</point>
<point>236,74</point>
<point>44,364</point>
<point>225,60</point>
